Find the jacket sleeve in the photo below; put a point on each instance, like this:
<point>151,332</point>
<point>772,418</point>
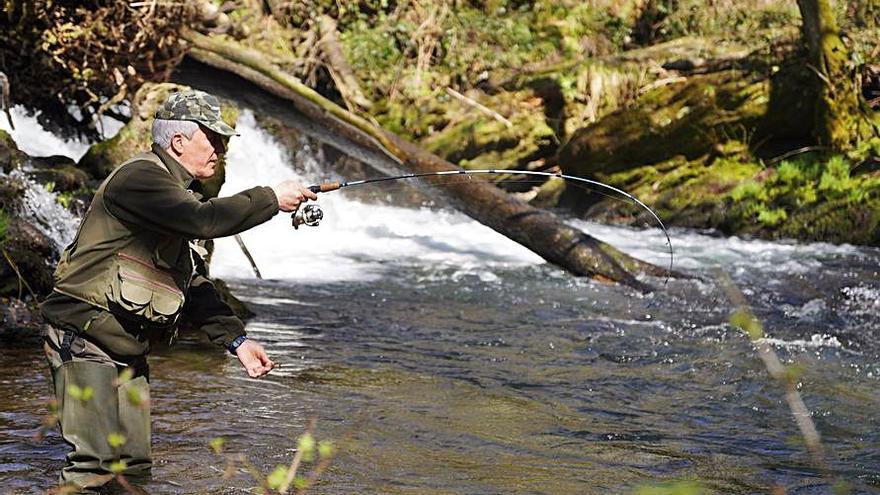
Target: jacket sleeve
<point>145,195</point>
<point>206,310</point>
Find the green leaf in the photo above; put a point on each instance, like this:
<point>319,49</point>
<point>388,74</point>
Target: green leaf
<point>306,443</point>
<point>134,396</point>
<point>74,391</point>
<point>276,479</point>
<point>300,483</point>
<point>115,440</point>
<point>217,444</point>
<point>117,467</point>
<point>326,449</point>
<point>125,376</point>
<point>306,446</point>
<point>87,393</point>
<point>748,323</point>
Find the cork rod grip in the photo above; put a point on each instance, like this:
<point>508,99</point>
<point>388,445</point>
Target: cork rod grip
<point>325,187</point>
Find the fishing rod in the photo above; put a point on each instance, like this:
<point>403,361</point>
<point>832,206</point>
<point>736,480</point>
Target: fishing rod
<point>312,214</point>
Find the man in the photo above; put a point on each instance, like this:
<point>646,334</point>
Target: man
<point>132,274</point>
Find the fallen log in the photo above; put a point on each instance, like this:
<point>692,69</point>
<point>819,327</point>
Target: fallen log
<point>539,230</point>
<point>340,71</point>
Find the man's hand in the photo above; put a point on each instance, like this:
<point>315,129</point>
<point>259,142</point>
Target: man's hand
<point>291,193</point>
<point>254,359</point>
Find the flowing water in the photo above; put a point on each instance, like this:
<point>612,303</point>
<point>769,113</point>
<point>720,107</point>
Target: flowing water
<point>444,359</point>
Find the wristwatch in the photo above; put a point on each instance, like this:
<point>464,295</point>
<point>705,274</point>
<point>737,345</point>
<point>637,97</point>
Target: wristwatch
<point>233,347</point>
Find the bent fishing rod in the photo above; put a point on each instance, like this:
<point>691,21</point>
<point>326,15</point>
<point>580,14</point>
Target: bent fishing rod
<point>312,214</point>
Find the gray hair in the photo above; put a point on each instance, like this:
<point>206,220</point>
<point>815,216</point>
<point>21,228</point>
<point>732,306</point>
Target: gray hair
<point>164,130</point>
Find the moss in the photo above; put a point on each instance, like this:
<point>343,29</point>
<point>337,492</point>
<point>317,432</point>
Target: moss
<point>809,198</point>
<point>476,140</point>
<point>548,193</point>
<point>10,156</point>
<point>4,225</point>
<point>686,119</point>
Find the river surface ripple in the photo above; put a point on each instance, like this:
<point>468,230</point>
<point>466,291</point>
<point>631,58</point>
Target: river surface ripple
<point>529,381</point>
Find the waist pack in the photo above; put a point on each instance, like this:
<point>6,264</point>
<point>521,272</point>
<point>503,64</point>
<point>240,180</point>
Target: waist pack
<point>144,293</point>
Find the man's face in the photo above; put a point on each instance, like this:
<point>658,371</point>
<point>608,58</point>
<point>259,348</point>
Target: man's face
<point>199,154</point>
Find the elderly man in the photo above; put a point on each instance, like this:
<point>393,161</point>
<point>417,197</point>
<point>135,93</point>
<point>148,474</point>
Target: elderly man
<point>133,273</point>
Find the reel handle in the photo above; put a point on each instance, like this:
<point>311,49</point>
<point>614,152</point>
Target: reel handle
<point>325,187</point>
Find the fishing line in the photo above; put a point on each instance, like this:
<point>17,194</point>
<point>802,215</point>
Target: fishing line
<point>332,186</point>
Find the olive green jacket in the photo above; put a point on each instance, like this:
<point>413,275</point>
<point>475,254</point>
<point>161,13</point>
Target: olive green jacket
<point>132,254</point>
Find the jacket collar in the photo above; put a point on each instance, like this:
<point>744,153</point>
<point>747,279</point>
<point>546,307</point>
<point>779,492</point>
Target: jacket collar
<point>180,174</point>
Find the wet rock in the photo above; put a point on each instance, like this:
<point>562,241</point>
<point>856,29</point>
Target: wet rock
<point>60,171</point>
<point>28,260</point>
<point>686,118</point>
<point>10,156</point>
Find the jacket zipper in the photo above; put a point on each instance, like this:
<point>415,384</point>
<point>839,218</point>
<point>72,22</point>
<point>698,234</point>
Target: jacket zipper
<point>134,276</point>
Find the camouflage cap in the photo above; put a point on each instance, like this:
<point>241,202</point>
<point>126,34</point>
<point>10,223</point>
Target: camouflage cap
<point>197,106</point>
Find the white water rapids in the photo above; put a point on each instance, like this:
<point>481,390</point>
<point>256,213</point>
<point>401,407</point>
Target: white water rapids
<point>362,242</point>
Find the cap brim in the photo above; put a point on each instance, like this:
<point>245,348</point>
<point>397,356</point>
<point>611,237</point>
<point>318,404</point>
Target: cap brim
<point>220,127</point>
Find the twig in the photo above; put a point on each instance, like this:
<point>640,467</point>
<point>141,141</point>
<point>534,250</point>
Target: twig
<point>18,273</point>
<point>775,369</point>
<point>340,70</point>
<point>486,110</point>
<point>294,464</point>
<point>798,151</point>
<point>247,255</point>
<point>822,76</point>
<point>660,83</point>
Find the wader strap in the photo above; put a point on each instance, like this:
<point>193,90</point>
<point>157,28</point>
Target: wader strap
<point>64,351</point>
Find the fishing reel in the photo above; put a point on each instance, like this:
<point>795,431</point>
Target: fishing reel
<point>310,215</point>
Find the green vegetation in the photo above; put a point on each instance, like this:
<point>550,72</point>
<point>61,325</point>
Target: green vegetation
<point>641,93</point>
<point>673,488</point>
<point>807,197</point>
<point>4,226</point>
<point>283,477</point>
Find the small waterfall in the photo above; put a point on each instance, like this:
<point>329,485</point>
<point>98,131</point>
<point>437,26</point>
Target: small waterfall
<point>355,241</point>
<point>40,205</point>
<point>360,241</point>
<point>31,138</point>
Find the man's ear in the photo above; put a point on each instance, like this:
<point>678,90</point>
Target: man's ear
<point>177,143</point>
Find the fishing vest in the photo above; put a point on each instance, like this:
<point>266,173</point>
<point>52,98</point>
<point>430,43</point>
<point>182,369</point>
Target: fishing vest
<point>135,273</point>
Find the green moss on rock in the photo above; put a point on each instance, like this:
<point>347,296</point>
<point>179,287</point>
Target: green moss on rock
<point>475,140</point>
<point>686,118</point>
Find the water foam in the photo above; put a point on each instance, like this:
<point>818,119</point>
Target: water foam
<point>816,341</point>
<point>31,138</point>
<point>355,241</point>
<point>699,251</point>
<point>50,218</point>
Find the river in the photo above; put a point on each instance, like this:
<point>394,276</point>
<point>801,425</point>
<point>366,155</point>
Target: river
<point>442,358</point>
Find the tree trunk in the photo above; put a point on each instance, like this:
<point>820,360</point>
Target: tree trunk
<point>538,230</point>
<point>838,112</point>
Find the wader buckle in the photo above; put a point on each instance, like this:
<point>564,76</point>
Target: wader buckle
<point>64,350</point>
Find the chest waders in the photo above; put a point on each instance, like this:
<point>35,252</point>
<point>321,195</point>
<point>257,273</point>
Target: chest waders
<point>103,412</point>
<point>95,401</point>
